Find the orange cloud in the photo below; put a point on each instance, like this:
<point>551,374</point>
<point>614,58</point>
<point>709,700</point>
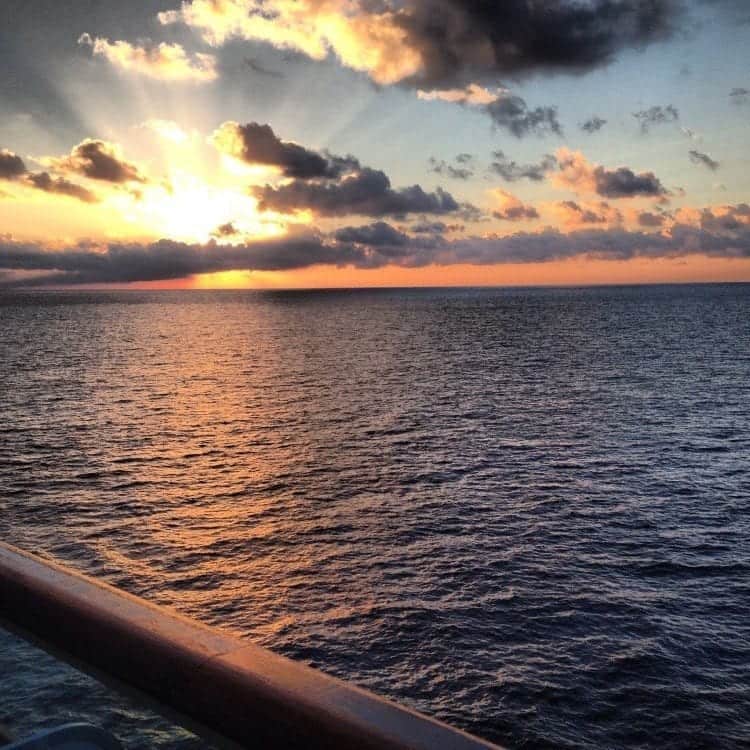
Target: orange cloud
<point>573,214</point>
<point>576,173</point>
<point>511,208</point>
<point>366,41</point>
<point>167,62</point>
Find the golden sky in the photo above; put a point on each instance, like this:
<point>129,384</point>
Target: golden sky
<point>337,143</point>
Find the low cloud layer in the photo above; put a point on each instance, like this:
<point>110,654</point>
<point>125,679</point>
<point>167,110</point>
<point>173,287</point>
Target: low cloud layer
<point>715,232</point>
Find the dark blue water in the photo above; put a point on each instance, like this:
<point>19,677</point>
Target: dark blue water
<point>526,512</point>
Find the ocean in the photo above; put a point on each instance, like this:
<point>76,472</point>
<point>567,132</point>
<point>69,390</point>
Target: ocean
<point>523,511</point>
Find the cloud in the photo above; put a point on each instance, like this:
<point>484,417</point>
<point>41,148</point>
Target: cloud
<point>326,184</point>
<point>650,219</point>
<point>258,144</point>
<point>657,115</point>
<point>365,36</point>
<point>725,219</point>
<point>513,114</point>
<point>575,214</point>
<point>506,110</point>
<point>166,62</point>
<point>739,95</point>
<point>578,174</point>
<point>473,94</point>
<point>512,171</point>
<point>439,43</point>
<point>722,232</point>
<point>449,170</point>
<point>98,160</point>
<point>593,124</point>
<point>698,157</point>
<point>259,68</point>
<point>11,165</point>
<point>435,227</point>
<point>167,259</point>
<point>13,168</point>
<point>511,208</point>
<point>378,234</point>
<point>61,186</point>
<point>624,183</point>
<point>225,230</point>
<point>366,192</point>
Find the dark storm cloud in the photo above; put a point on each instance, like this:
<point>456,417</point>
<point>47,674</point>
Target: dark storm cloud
<point>258,144</point>
<point>61,186</point>
<point>658,115</point>
<point>99,160</point>
<point>445,169</point>
<point>11,165</point>
<point>698,157</point>
<point>725,234</point>
<point>513,114</point>
<point>367,192</point>
<point>512,171</point>
<point>624,183</point>
<point>465,40</point>
<point>593,124</point>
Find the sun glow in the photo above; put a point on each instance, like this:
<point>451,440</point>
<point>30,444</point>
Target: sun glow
<point>188,209</point>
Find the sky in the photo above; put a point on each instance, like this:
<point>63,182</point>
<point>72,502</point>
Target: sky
<point>340,143</point>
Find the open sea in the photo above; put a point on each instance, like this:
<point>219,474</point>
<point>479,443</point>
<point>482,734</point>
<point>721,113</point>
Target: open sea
<point>523,511</point>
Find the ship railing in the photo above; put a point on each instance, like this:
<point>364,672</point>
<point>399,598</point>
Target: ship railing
<point>225,689</point>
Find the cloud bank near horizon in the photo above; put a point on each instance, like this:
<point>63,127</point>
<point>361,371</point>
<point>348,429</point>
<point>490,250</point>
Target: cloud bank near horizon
<point>719,233</point>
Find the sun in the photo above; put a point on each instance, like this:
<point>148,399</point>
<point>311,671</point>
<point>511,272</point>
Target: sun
<point>186,208</point>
